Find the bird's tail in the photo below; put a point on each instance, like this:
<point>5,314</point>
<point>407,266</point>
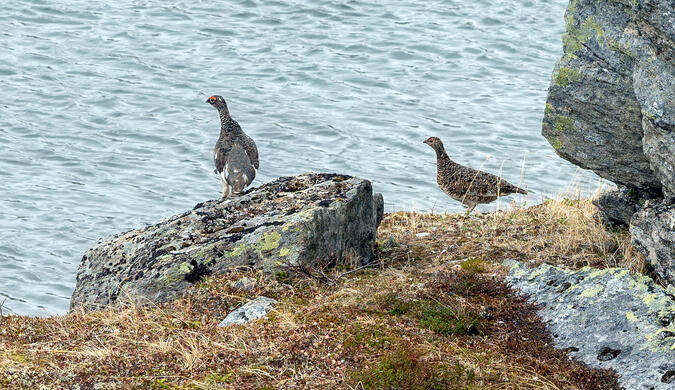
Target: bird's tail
<point>520,191</point>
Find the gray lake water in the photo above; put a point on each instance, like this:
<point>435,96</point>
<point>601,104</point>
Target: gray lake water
<point>103,125</point>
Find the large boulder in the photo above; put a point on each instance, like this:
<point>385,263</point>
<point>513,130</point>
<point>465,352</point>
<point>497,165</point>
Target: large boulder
<point>611,103</point>
<point>607,319</point>
<point>617,206</point>
<point>303,221</point>
<point>653,233</point>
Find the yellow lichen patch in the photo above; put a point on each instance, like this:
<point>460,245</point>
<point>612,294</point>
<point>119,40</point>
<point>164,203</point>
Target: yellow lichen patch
<point>591,292</point>
<point>285,252</point>
<point>648,298</point>
<point>658,342</point>
<point>238,250</point>
<point>268,242</point>
<point>630,316</point>
<point>185,267</point>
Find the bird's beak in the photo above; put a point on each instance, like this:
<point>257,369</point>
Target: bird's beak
<point>207,100</point>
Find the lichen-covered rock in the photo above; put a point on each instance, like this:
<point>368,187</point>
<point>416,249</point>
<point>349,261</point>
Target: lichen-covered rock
<point>611,103</point>
<point>607,319</point>
<point>618,206</point>
<point>250,311</point>
<point>293,221</point>
<point>653,233</point>
<point>611,106</point>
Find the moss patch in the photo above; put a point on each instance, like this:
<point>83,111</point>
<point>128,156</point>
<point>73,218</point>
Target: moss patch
<point>405,368</point>
<point>444,320</point>
<point>473,265</point>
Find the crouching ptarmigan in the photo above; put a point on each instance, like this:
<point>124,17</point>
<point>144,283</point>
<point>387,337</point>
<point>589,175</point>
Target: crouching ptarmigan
<point>467,185</point>
<point>235,154</point>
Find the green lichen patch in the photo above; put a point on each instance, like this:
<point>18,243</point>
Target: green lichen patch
<point>565,76</point>
<point>549,109</point>
<point>205,254</point>
<point>648,115</point>
<point>289,227</point>
<point>575,38</point>
<point>185,267</point>
<point>623,48</point>
<point>563,124</point>
<point>555,142</point>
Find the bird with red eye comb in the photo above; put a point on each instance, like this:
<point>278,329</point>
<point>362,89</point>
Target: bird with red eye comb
<point>235,154</point>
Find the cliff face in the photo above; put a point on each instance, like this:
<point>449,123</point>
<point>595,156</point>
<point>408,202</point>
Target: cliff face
<point>303,221</point>
<point>611,108</point>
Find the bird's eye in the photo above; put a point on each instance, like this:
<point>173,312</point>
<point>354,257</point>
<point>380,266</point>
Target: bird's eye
<point>212,99</point>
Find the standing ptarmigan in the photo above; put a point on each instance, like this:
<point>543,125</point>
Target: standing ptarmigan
<point>467,185</point>
<point>235,154</point>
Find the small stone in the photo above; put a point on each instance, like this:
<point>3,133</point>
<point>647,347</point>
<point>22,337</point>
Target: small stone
<point>250,311</point>
<point>423,234</point>
<point>607,353</point>
<point>668,377</point>
<point>243,284</point>
<point>390,243</point>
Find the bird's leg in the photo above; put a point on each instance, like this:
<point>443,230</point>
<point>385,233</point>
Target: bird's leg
<point>471,207</point>
<point>226,188</point>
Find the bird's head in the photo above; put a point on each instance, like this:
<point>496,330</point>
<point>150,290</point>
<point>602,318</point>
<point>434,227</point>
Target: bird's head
<point>217,101</point>
<point>435,143</point>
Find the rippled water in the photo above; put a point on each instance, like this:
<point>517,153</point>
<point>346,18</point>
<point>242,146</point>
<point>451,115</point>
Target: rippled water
<point>103,125</point>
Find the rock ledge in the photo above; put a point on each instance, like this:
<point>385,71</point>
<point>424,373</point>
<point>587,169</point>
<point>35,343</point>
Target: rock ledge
<point>304,220</point>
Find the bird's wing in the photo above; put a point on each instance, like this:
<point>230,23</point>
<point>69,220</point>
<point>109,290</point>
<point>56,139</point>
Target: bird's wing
<point>220,153</point>
<point>239,171</point>
<point>247,143</point>
<point>487,184</point>
<point>251,150</point>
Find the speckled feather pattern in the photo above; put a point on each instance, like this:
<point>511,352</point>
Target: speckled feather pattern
<point>235,154</point>
<point>467,185</point>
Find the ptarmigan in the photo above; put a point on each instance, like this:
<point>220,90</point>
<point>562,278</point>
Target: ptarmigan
<point>235,154</point>
<point>467,185</point>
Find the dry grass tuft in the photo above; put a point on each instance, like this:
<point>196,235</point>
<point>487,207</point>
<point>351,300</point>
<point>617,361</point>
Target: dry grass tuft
<point>567,232</point>
<point>435,314</point>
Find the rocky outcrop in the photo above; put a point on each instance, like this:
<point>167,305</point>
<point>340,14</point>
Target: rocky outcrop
<point>618,206</point>
<point>300,221</point>
<point>653,233</point>
<point>607,319</point>
<point>611,103</point>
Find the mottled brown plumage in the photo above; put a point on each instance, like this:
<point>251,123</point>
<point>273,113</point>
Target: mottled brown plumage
<point>467,185</point>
